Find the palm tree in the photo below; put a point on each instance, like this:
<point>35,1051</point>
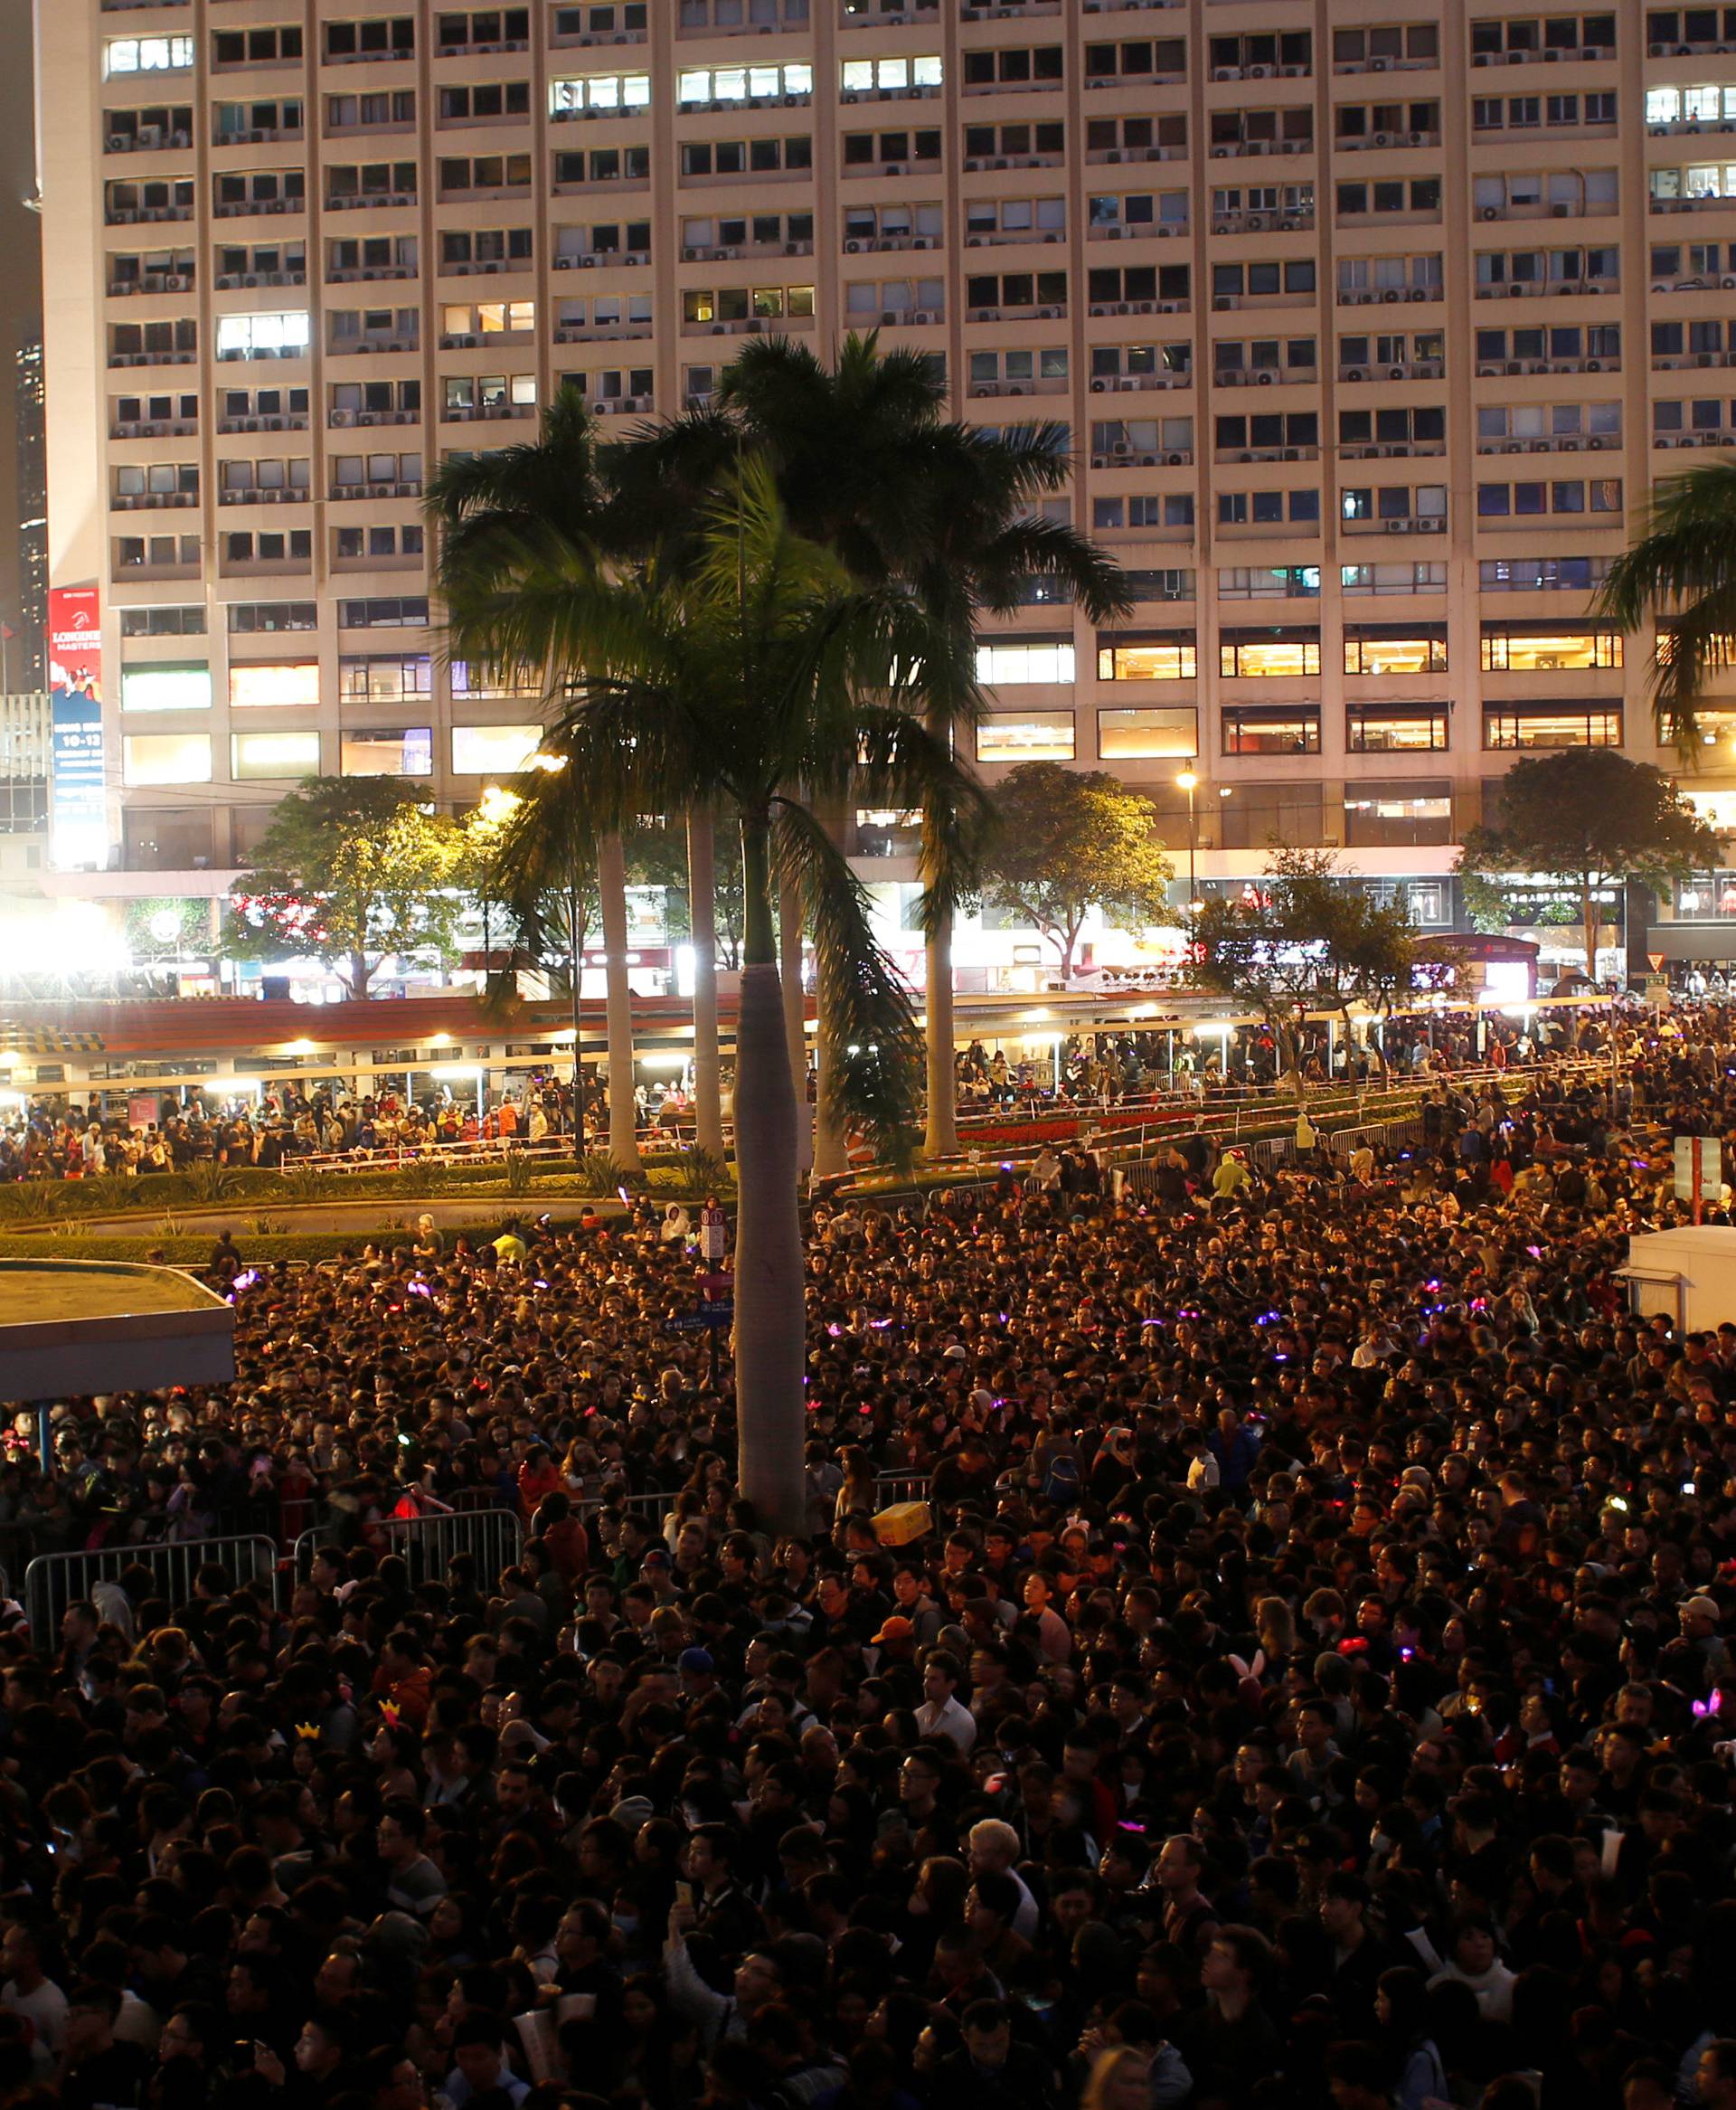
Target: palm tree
<point>759,681</point>
<point>1682,573</point>
<point>868,465</point>
<point>490,511</point>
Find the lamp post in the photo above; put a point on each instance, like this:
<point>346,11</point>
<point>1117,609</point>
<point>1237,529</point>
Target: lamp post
<point>1187,781</point>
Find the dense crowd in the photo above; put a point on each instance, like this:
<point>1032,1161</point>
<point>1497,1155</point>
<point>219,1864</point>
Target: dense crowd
<point>284,1121</point>
<point>1309,1685</point>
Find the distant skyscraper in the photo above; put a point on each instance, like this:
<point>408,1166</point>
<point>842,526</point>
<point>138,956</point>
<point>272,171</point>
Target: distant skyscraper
<point>25,665</point>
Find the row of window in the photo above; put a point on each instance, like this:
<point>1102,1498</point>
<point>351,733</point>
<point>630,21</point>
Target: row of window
<point>295,684</point>
<point>1277,730</point>
<point>155,758</point>
<point>1383,649</point>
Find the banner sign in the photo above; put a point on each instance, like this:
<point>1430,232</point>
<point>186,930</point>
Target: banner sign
<point>79,814</point>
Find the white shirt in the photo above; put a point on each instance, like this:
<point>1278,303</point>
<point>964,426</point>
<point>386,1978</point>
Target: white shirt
<point>949,1720</point>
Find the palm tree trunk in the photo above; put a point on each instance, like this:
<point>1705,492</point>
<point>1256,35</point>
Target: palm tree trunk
<point>611,886</point>
<point>702,914</point>
<point>831,1145</point>
<point>771,1319</point>
<point>790,943</point>
<point>941,1137</point>
<point>1590,917</point>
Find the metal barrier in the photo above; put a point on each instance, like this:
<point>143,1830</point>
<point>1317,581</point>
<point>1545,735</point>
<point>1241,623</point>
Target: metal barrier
<point>52,1581</point>
<point>493,1538</point>
<point>901,1486</point>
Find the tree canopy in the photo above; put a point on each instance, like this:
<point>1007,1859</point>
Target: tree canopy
<point>351,870</point>
<point>1302,940</point>
<point>1589,819</point>
<point>1067,841</point>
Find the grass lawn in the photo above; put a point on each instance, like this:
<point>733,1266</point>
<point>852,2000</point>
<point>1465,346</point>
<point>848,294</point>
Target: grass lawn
<point>35,1293</point>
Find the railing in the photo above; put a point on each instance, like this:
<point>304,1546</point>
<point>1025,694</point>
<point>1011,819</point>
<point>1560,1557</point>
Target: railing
<point>493,1536</point>
<point>52,1581</point>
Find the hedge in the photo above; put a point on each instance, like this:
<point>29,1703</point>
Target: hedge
<point>193,1250</point>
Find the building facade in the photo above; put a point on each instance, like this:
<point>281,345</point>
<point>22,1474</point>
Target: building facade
<point>1370,327</point>
<point>26,665</point>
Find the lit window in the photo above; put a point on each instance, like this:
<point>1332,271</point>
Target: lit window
<point>166,688</point>
<point>893,76</point>
<point>1508,725</point>
<point>406,753</point>
<point>278,334</point>
<point>1031,736</point>
<point>487,751</point>
<point>158,54</point>
<point>1374,651</point>
<point>291,684</point>
<point>1144,735</point>
<point>256,755</point>
<point>600,92</point>
<point>1550,652</point>
<point>165,758</point>
<point>1006,665</point>
<point>1157,659</point>
<point>1254,654</point>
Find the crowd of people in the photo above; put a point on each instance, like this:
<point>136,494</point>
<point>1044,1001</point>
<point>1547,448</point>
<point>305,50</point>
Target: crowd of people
<point>284,1121</point>
<point>1306,1681</point>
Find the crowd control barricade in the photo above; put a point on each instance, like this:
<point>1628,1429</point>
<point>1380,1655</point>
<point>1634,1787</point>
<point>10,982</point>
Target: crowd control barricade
<point>52,1581</point>
<point>493,1539</point>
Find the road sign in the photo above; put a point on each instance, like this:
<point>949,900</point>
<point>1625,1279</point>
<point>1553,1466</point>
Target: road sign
<point>713,1315</point>
<point>1656,959</point>
<point>713,1232</point>
<point>1699,1170</point>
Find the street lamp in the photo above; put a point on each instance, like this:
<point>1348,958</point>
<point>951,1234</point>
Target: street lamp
<point>1187,781</point>
<point>552,765</point>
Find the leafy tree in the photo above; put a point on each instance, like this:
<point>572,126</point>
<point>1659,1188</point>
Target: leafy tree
<point>1681,573</point>
<point>1301,940</point>
<point>657,856</point>
<point>350,871</point>
<point>1067,841</point>
<point>1590,819</point>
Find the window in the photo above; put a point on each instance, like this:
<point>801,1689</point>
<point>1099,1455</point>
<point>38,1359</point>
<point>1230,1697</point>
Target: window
<point>1394,729</point>
<point>726,84</point>
<point>1252,654</point>
<point>154,54</point>
<point>1020,370</point>
<point>1254,729</point>
<point>1590,725</point>
<point>1146,735</point>
<point>254,756</point>
<point>1031,736</point>
<point>1383,502</point>
<point>379,38</point>
<point>1353,50</point>
<point>1392,577</point>
<point>1707,103</point>
<point>1263,282</point>
<point>1419,194</point>
<point>385,678</point>
<point>1388,816</point>
<point>1545,650</point>
<point>165,758</point>
<point>1394,649</point>
<point>627,239</point>
<point>1541,574</point>
<point>244,547</point>
<point>409,752</point>
<point>1159,656</point>
<point>258,190</point>
<point>1110,288</point>
<point>274,685</point>
<point>485,101</point>
<point>263,337</point>
<point>255,47</point>
<point>166,688</point>
<point>395,613</point>
<point>1268,581</point>
<point>1139,59</point>
<point>707,157</point>
<point>1530,499</point>
<point>494,25</point>
<point>489,750</point>
<point>1267,432</point>
<point>1268,509</point>
<point>163,623</point>
<point>628,18</point>
<point>255,618</point>
<point>900,76</point>
<point>601,92</point>
<point>1005,664</point>
<point>1014,66</point>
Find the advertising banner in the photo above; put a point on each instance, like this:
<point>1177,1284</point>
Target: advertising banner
<point>78,819</point>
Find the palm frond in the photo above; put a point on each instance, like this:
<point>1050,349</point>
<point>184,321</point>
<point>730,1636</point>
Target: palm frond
<point>866,1020</point>
<point>1681,572</point>
<point>1032,547</point>
<point>904,766</point>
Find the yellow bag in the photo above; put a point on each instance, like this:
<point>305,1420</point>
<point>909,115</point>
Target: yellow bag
<point>901,1523</point>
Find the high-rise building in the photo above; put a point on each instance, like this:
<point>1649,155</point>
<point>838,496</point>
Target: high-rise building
<point>1370,327</point>
<point>25,661</point>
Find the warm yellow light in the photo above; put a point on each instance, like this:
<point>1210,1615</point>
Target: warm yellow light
<point>551,763</point>
<point>1187,780</point>
<point>298,1047</point>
